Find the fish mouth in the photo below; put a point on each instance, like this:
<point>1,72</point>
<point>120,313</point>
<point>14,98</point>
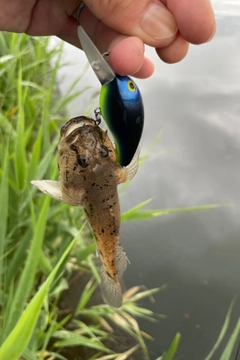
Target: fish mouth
<point>76,123</point>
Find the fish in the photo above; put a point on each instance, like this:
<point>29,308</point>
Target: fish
<point>88,176</point>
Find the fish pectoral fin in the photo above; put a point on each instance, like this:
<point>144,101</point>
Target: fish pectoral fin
<point>111,290</point>
<point>132,168</point>
<point>49,187</point>
<point>127,173</point>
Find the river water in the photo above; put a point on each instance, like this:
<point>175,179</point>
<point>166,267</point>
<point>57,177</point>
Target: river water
<point>196,105</point>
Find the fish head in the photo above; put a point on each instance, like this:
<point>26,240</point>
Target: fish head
<point>83,144</point>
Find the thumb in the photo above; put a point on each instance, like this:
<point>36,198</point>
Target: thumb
<point>149,20</point>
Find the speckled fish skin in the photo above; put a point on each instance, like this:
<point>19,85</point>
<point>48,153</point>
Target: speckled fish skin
<point>89,175</point>
<point>99,180</point>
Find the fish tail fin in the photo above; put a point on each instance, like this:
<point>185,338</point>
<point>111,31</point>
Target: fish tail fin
<point>111,289</point>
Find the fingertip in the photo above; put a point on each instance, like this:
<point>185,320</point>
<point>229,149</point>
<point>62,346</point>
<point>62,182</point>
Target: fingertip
<point>126,55</point>
<point>174,52</point>
<point>196,37</point>
<point>195,19</point>
<point>146,70</point>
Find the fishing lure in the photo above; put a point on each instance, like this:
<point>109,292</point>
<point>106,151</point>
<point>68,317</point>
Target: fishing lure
<point>120,103</point>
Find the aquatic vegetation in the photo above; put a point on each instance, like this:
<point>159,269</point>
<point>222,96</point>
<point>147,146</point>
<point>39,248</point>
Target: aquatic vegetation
<point>36,235</point>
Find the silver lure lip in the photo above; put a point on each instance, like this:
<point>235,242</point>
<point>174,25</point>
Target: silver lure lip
<point>103,71</point>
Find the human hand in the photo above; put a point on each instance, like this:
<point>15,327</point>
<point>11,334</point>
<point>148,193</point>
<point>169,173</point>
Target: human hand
<point>121,27</point>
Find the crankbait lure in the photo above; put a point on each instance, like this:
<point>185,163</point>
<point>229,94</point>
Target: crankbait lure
<point>120,103</point>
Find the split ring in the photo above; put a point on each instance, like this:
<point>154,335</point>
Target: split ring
<point>79,9</point>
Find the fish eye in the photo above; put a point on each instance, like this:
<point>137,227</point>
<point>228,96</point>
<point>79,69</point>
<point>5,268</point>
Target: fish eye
<point>104,151</point>
<point>131,86</point>
<point>83,161</point>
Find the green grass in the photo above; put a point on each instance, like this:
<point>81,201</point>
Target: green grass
<point>43,242</point>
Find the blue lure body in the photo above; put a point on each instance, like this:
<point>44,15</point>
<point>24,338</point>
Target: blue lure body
<point>122,109</point>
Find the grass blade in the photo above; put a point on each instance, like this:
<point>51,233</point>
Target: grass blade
<point>4,214</point>
<point>28,275</point>
<point>228,351</point>
<point>222,332</point>
<point>136,213</point>
<point>18,339</point>
<point>74,339</point>
<point>169,355</point>
<point>20,154</point>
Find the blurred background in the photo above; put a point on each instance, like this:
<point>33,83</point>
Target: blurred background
<point>195,105</point>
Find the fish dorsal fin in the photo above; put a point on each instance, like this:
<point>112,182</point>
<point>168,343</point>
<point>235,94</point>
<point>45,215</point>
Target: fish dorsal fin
<point>49,187</point>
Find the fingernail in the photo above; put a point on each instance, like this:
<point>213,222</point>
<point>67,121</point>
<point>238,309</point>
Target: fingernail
<point>158,22</point>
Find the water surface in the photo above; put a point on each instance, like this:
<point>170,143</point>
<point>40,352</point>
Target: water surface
<point>196,104</point>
